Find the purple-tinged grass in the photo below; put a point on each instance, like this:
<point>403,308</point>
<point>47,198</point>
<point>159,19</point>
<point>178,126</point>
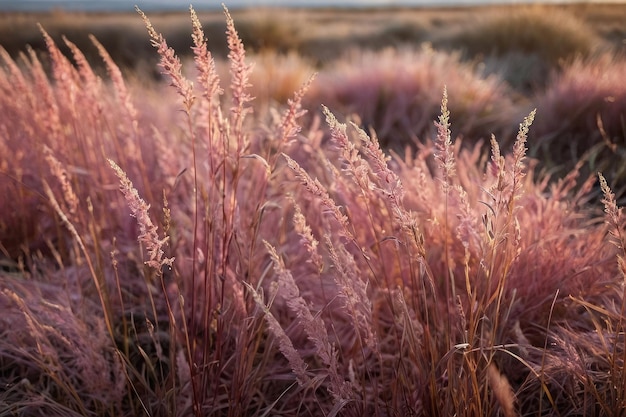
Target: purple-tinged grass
<point>310,277</point>
<point>582,116</point>
<point>56,356</point>
<point>397,93</point>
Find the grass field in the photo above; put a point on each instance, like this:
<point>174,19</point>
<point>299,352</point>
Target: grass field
<point>322,35</point>
<point>315,212</point>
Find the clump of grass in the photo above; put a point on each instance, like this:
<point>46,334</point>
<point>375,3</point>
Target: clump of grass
<point>55,350</point>
<point>396,92</point>
<point>542,35</point>
<point>276,76</point>
<point>80,283</point>
<point>551,33</point>
<point>276,273</point>
<point>583,117</point>
<point>269,33</point>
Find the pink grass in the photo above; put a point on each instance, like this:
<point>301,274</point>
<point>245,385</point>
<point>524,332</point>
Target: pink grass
<point>147,230</point>
<point>581,117</point>
<point>302,277</point>
<point>398,93</point>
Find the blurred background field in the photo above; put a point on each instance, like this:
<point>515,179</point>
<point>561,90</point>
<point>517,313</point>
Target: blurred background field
<point>387,66</point>
<point>525,48</point>
<point>553,32</point>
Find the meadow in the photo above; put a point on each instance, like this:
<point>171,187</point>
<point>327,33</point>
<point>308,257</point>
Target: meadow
<point>314,213</point>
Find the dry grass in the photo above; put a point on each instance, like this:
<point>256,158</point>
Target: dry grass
<point>397,92</point>
<point>184,250</point>
<point>537,37</point>
<point>583,116</point>
<point>323,35</point>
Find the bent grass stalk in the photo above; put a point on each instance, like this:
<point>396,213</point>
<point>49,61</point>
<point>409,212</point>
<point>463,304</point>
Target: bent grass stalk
<point>614,218</point>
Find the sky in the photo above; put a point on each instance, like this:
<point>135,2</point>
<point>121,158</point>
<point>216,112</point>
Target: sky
<point>122,5</point>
